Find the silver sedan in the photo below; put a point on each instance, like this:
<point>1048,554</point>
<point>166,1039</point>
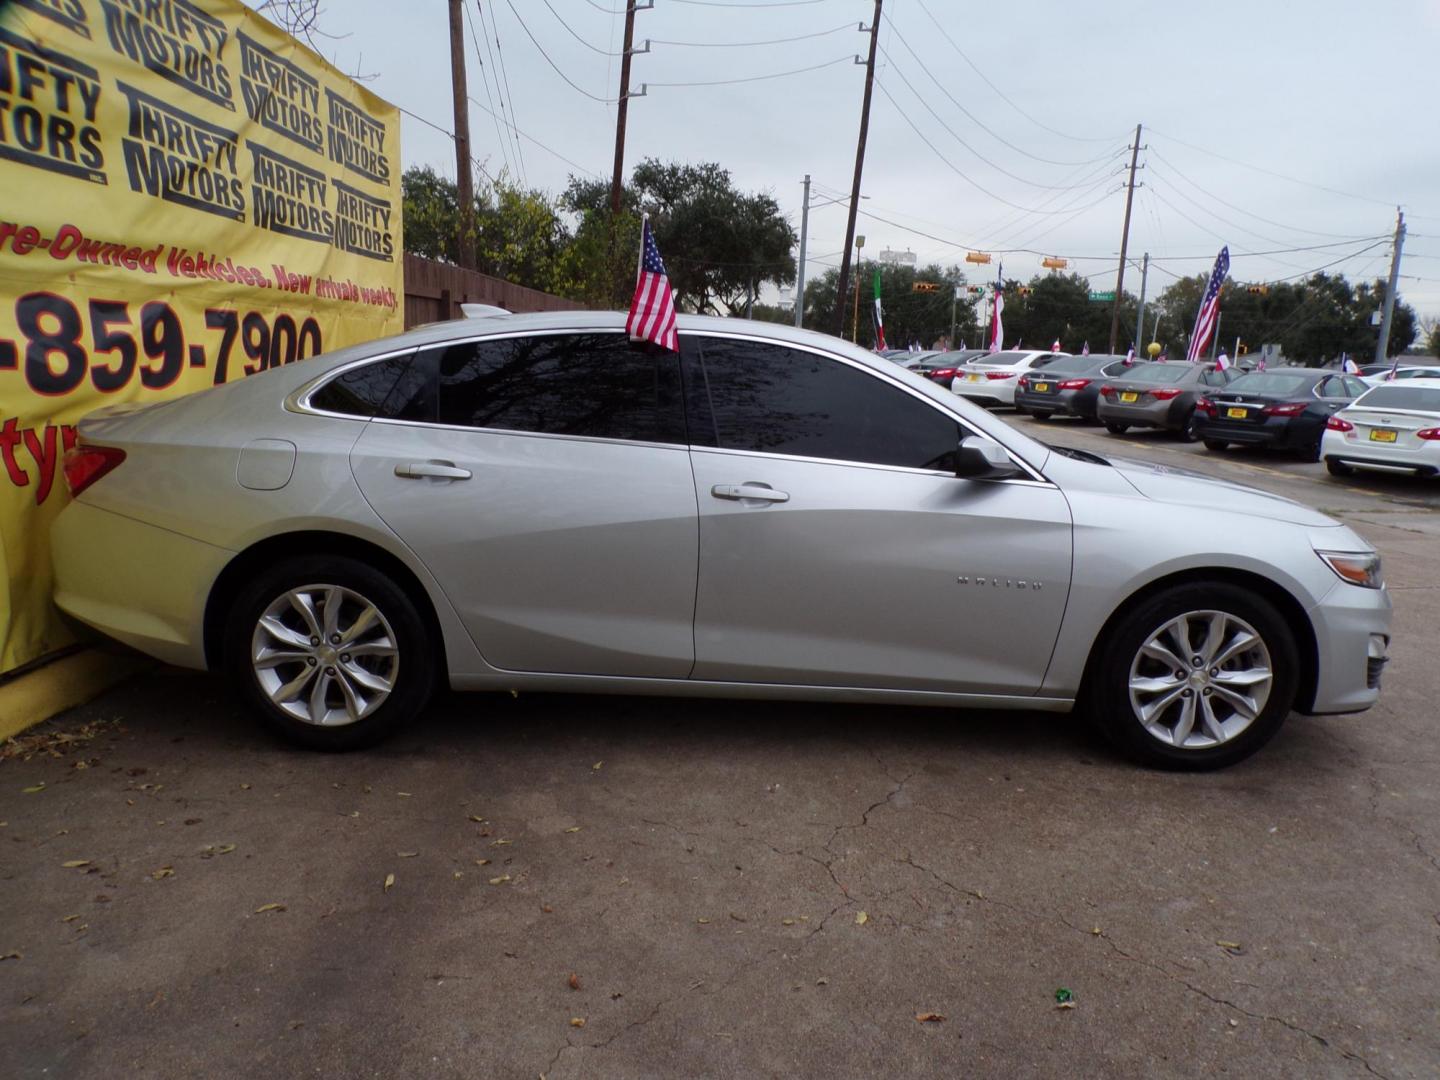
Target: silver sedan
<point>535,503</point>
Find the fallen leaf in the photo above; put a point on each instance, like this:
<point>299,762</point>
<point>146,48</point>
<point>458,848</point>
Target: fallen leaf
<point>224,849</point>
<point>75,864</point>
<point>501,880</point>
<point>163,872</point>
<point>10,956</point>
<point>365,788</point>
<point>573,828</point>
<point>547,909</point>
<point>1095,930</point>
<point>244,787</point>
<point>577,1021</point>
<point>597,765</point>
<point>159,997</point>
<point>269,907</point>
<point>702,922</point>
<point>1065,1005</point>
<point>41,787</point>
<point>477,817</point>
<point>737,918</point>
<point>822,982</point>
<point>500,843</point>
<point>403,794</point>
<point>482,862</point>
<point>1222,944</point>
<point>929,1017</point>
<point>296,1025</point>
<point>389,881</point>
<point>787,922</point>
<point>407,854</point>
<point>70,918</point>
<point>861,918</point>
<point>574,981</point>
<point>192,821</point>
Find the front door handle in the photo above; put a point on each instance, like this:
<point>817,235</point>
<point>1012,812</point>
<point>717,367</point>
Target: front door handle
<point>750,490</point>
<point>431,470</point>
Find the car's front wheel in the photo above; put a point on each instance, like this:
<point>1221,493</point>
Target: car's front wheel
<point>1039,415</point>
<point>330,652</point>
<point>1198,676</point>
<point>1215,444</point>
<point>1116,429</point>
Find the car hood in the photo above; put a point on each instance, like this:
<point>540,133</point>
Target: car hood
<point>1185,488</point>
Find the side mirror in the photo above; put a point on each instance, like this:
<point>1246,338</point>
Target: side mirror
<point>980,458</point>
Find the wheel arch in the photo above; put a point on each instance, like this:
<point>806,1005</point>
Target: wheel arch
<point>228,584</point>
<point>1290,609</point>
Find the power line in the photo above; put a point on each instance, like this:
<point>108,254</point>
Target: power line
<point>506,111</point>
<point>605,10</point>
<point>772,4</point>
<point>554,66</point>
<point>940,120</point>
<point>537,142</point>
<point>759,78</point>
<point>500,52</point>
<point>742,44</point>
<point>1001,93</point>
<point>577,37</point>
<point>1269,172</point>
<point>956,102</point>
<point>952,166</point>
<point>502,140</point>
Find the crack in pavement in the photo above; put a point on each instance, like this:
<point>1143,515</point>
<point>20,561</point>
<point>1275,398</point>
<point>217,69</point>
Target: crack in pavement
<point>1146,962</point>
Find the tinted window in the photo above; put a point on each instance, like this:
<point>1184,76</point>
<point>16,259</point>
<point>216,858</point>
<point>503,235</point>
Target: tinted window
<point>748,395</point>
<point>1072,363</point>
<point>1156,373</point>
<point>1354,387</point>
<point>1403,397</point>
<point>595,385</point>
<point>1211,377</point>
<point>1272,382</point>
<point>361,390</point>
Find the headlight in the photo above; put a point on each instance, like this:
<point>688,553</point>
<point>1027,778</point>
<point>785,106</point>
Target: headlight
<point>1357,567</point>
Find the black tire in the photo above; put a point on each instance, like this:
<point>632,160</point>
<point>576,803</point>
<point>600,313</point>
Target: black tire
<point>1041,415</point>
<point>1107,696</point>
<point>1187,428</point>
<point>412,677</point>
<point>1311,452</point>
<point>1337,467</point>
<point>1215,444</point>
<point>1116,429</point>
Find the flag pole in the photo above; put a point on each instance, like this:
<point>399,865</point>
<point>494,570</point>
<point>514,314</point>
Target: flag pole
<point>640,260</point>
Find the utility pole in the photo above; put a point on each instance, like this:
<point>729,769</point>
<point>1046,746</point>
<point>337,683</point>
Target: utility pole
<point>1383,350</point>
<point>859,167</point>
<point>621,107</point>
<point>464,182</point>
<point>1124,242</point>
<point>800,266</point>
<point>1140,315</point>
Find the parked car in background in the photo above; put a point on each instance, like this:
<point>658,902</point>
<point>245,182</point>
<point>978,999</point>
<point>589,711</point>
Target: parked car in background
<point>991,380</point>
<point>1283,410</point>
<point>1158,395</point>
<point>533,503</point>
<point>1373,377</point>
<point>1394,427</point>
<point>944,366</point>
<point>1068,385</point>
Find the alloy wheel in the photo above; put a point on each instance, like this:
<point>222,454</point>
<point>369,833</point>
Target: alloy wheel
<point>324,655</point>
<point>1200,680</point>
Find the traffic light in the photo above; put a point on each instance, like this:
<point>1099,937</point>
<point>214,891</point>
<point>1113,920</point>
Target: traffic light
<point>925,286</point>
<point>1024,290</point>
<point>1258,290</point>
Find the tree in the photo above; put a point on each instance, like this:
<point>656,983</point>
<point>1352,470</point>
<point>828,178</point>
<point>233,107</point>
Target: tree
<point>720,245</point>
<point>1059,307</point>
<point>909,315</point>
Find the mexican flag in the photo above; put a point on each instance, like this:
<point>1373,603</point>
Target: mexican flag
<point>879,316</point>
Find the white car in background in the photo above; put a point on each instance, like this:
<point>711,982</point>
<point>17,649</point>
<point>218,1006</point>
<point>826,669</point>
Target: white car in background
<point>1379,375</point>
<point>1394,427</point>
<point>990,380</point>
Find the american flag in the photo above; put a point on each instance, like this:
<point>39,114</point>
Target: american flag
<point>652,311</point>
<point>1209,315</point>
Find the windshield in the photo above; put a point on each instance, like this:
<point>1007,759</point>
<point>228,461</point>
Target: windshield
<point>1072,363</point>
<point>1420,398</point>
<point>1271,382</point>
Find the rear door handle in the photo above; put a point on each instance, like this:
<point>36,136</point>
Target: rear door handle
<point>750,490</point>
<point>431,470</point>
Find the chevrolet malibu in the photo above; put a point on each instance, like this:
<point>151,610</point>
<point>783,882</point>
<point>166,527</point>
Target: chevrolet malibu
<point>532,502</point>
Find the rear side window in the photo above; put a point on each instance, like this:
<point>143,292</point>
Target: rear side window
<point>747,395</point>
<point>584,385</point>
<point>1212,377</point>
<point>362,390</point>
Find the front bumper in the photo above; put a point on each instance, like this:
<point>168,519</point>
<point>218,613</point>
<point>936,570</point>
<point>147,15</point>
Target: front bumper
<point>135,582</point>
<point>1352,639</point>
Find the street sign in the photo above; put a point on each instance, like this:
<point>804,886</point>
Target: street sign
<point>1100,297</point>
<point>925,286</point>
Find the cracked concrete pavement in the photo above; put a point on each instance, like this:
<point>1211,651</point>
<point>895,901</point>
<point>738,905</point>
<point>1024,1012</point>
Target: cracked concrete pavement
<point>702,869</point>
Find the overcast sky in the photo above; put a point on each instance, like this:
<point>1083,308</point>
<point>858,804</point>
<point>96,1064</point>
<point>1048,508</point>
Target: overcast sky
<point>1238,98</point>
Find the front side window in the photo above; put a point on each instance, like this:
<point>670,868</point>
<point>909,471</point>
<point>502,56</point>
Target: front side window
<point>748,395</point>
<point>596,385</point>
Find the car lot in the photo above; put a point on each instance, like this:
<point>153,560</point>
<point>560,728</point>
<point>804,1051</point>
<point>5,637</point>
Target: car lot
<point>1280,918</point>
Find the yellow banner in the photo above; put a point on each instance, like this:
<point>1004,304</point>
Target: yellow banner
<point>187,196</point>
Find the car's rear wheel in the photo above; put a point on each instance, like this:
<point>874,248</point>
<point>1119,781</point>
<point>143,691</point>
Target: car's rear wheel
<point>1336,467</point>
<point>1215,444</point>
<point>329,652</point>
<point>1038,415</point>
<point>1310,452</point>
<point>1116,429</point>
<point>1198,676</point>
<point>1187,428</point>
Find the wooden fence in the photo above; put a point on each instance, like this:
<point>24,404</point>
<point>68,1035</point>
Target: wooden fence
<point>434,291</point>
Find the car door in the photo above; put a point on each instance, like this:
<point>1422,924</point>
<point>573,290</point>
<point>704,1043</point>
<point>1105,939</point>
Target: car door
<point>837,547</point>
<point>544,481</point>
